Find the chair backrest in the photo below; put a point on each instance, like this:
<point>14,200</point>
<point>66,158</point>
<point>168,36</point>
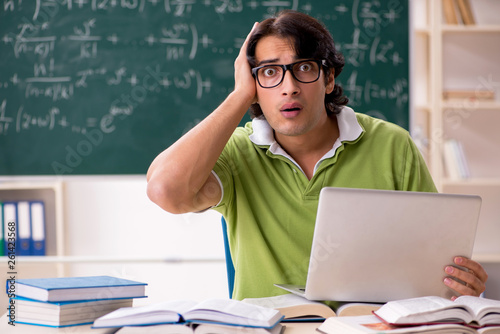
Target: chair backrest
<point>229,259</point>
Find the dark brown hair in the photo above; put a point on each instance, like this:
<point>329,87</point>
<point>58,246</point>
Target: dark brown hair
<point>310,40</point>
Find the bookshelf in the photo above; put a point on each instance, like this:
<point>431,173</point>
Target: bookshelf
<point>51,193</point>
<point>460,57</point>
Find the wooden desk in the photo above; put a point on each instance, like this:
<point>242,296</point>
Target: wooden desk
<point>5,328</point>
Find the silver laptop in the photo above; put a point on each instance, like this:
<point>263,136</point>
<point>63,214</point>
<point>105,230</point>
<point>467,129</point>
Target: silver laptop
<point>382,245</point>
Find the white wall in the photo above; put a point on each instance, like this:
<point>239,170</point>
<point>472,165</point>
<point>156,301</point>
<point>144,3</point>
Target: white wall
<point>100,209</point>
<point>112,228</point>
<point>111,216</point>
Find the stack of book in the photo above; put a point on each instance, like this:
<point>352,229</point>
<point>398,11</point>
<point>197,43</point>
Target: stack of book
<point>186,316</point>
<point>70,301</point>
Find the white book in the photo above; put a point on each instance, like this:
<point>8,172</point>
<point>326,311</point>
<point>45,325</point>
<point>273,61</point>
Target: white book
<point>466,310</point>
<point>370,324</point>
<point>219,311</point>
<point>462,160</point>
<point>198,329</point>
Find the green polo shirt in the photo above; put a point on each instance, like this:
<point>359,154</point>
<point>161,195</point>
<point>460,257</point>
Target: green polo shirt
<point>270,205</point>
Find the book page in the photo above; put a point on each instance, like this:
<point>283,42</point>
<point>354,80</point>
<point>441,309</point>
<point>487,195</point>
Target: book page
<point>371,324</point>
<point>232,307</point>
<point>282,301</point>
<point>480,306</point>
<point>357,309</point>
<point>232,311</point>
<point>160,312</point>
<point>423,310</point>
<point>293,306</point>
<point>418,305</point>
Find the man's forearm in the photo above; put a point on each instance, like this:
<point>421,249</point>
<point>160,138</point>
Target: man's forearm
<point>177,176</point>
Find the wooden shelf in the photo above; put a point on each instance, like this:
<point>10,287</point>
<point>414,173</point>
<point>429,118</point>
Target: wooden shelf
<point>448,28</point>
<point>482,182</point>
<point>472,105</point>
<point>423,31</point>
<point>9,185</point>
<point>425,108</point>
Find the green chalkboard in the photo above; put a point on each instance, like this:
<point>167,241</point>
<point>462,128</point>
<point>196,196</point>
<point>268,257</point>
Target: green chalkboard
<point>102,86</point>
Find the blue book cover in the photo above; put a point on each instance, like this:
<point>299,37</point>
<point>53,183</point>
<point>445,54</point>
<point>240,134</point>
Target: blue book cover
<point>71,303</point>
<point>2,246</point>
<point>53,326</point>
<point>79,288</point>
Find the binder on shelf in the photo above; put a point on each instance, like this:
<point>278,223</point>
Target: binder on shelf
<point>9,214</point>
<point>2,246</point>
<point>37,213</point>
<point>23,246</point>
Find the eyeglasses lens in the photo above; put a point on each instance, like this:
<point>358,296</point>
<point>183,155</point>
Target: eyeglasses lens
<point>306,71</point>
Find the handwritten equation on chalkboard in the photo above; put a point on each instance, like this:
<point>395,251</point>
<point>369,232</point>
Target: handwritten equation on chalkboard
<point>102,86</point>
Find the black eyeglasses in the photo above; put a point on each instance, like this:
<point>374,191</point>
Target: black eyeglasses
<point>305,71</point>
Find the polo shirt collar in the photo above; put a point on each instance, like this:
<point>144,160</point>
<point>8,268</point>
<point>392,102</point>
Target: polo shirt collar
<point>349,130</point>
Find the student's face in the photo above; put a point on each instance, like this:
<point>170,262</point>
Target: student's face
<point>292,108</point>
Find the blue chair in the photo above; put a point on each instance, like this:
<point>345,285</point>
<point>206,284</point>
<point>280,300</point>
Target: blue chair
<point>229,259</point>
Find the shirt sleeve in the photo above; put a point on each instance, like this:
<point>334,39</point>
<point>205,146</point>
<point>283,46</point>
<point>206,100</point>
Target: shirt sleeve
<point>416,175</point>
<point>223,171</point>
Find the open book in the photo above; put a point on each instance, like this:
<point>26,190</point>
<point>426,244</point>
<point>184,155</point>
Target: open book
<point>198,329</point>
<point>220,311</point>
<point>466,310</point>
<point>370,324</point>
<point>297,308</point>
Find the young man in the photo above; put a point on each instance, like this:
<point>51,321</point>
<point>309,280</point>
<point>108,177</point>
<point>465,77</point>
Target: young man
<point>265,178</point>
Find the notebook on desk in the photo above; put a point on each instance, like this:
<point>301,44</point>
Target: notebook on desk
<point>381,245</point>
